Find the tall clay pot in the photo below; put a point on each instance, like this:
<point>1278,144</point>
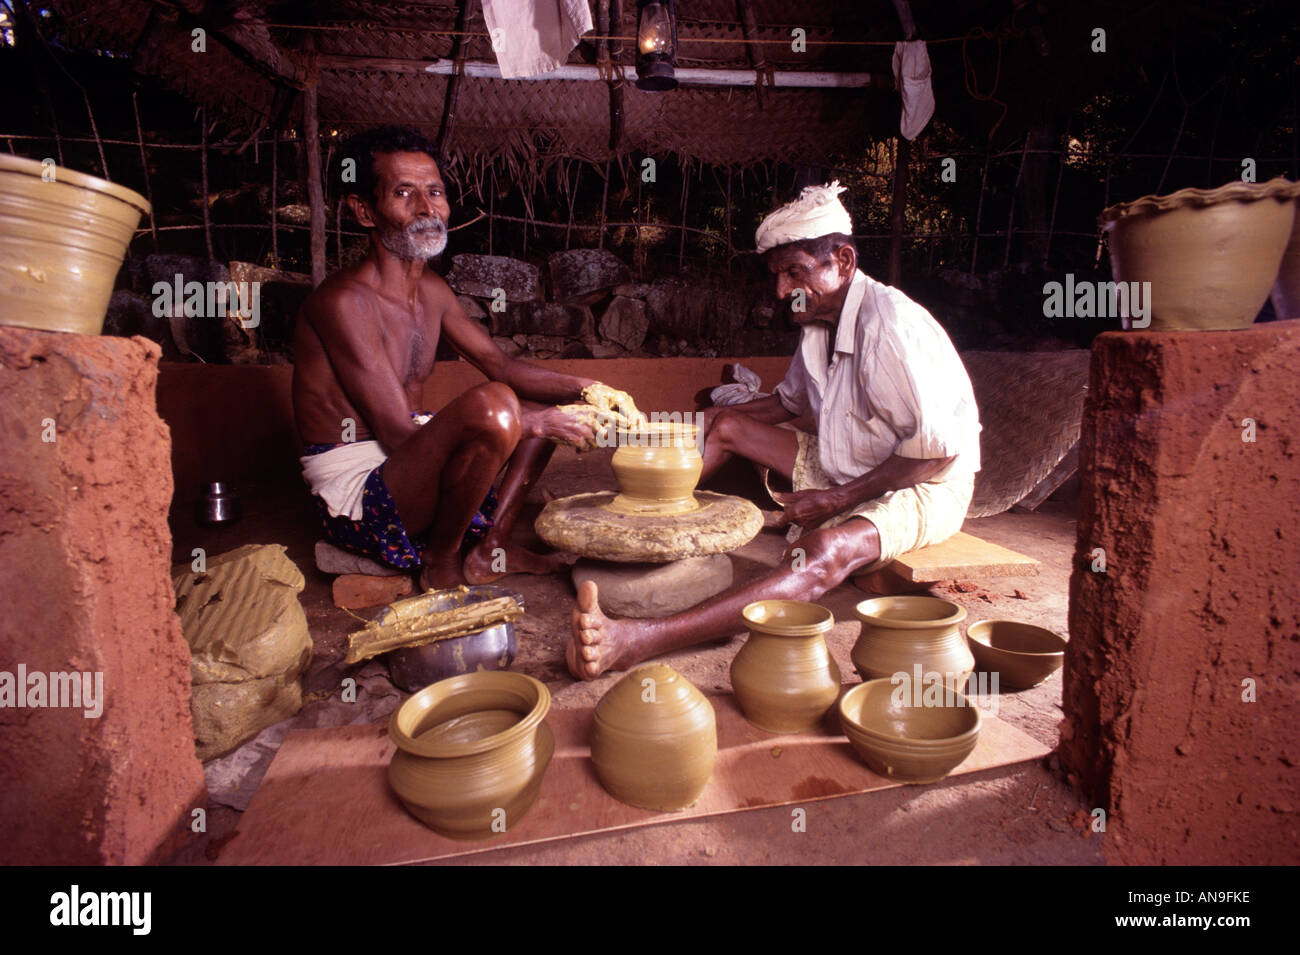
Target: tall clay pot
<point>471,752</point>
<point>657,468</point>
<point>784,676</point>
<point>1211,255</point>
<point>654,740</point>
<point>902,633</point>
<point>63,235</point>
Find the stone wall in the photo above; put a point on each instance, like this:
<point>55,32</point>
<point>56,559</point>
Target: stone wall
<point>85,587</point>
<point>1182,677</point>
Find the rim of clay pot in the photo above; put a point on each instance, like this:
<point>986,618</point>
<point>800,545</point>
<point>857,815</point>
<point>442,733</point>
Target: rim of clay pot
<point>980,633</point>
<point>873,610</point>
<point>788,618</point>
<point>848,701</point>
<point>410,714</point>
<point>659,431</point>
<point>31,167</point>
<point>1278,188</point>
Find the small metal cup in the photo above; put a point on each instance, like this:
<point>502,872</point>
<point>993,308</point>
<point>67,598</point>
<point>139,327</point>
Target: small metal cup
<point>218,504</point>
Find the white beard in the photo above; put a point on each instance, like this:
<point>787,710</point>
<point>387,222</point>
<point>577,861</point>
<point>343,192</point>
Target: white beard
<point>422,239</point>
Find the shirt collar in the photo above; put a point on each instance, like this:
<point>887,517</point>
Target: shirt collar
<point>846,330</point>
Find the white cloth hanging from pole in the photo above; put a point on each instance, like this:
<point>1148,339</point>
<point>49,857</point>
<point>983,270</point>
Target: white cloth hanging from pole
<point>531,37</point>
<point>912,79</point>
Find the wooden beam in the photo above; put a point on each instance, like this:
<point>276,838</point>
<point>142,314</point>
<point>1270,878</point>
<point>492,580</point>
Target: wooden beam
<point>898,210</point>
<point>315,190</point>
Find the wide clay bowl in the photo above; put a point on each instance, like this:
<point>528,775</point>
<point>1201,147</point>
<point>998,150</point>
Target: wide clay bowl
<point>784,676</point>
<point>899,736</point>
<point>657,468</point>
<point>1021,654</point>
<point>471,752</point>
<point>1211,255</point>
<point>654,740</point>
<point>902,633</point>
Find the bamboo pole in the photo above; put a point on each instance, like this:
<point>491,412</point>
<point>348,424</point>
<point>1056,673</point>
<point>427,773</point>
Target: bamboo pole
<point>315,193</point>
<point>203,171</point>
<point>275,199</point>
<point>898,210</point>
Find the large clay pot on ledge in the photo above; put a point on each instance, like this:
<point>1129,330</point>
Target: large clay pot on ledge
<point>901,633</point>
<point>1211,255</point>
<point>471,752</point>
<point>784,676</point>
<point>654,739</point>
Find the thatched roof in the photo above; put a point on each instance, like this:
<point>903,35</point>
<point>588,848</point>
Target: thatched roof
<point>259,55</point>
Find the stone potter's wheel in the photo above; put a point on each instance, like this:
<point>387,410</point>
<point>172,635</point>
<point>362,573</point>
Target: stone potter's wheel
<point>585,525</point>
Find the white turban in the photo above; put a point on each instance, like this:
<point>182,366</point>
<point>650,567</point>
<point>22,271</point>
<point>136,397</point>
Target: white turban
<point>817,212</point>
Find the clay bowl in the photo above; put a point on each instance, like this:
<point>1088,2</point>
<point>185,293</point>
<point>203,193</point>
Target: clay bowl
<point>899,738</point>
<point>657,467</point>
<point>413,668</point>
<point>784,676</point>
<point>471,752</point>
<point>654,740</point>
<point>1021,654</point>
<point>1211,255</point>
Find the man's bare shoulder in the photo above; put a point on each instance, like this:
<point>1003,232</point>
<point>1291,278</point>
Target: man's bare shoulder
<point>436,289</point>
<point>342,293</point>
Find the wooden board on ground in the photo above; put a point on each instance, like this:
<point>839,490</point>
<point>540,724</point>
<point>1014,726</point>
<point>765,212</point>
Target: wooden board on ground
<point>962,557</point>
<point>326,800</point>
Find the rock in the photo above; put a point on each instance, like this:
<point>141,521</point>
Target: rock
<point>508,345</point>
<point>545,318</point>
<point>625,322</point>
<point>472,308</point>
<point>482,275</point>
<point>607,350</point>
<point>336,560</point>
<point>352,591</point>
<point>633,290</point>
<point>545,346</point>
<point>656,590</point>
<point>583,276</point>
<point>248,640</point>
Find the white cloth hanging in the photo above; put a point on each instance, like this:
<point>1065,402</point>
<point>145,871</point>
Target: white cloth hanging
<point>531,37</point>
<point>912,79</point>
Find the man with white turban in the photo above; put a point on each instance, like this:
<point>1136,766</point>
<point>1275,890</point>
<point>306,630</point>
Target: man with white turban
<point>883,462</point>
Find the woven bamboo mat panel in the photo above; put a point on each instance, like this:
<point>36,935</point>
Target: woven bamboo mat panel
<point>326,801</point>
<point>1031,407</point>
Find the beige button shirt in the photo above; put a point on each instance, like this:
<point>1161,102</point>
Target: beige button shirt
<point>894,385</point>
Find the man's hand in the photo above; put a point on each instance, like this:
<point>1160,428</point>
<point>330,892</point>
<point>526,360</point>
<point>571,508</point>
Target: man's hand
<point>555,424</point>
<point>604,398</point>
<point>809,508</point>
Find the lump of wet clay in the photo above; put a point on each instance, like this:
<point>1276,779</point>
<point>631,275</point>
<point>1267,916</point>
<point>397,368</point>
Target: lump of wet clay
<point>249,644</point>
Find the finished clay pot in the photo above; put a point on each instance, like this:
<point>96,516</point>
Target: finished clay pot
<point>657,467</point>
<point>471,752</point>
<point>784,676</point>
<point>654,740</point>
<point>1286,291</point>
<point>1211,255</point>
<point>902,633</point>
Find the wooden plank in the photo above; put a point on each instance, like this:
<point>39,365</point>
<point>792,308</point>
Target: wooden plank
<point>326,800</point>
<point>960,557</point>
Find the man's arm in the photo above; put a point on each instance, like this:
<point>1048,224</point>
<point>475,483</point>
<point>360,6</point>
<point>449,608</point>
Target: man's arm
<point>810,508</point>
<point>352,344</point>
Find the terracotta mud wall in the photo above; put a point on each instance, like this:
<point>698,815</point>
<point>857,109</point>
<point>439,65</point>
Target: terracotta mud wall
<point>235,422</point>
<point>85,586</point>
<point>1198,610</point>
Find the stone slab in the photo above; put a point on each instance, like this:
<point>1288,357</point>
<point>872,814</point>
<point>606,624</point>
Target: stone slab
<point>656,590</point>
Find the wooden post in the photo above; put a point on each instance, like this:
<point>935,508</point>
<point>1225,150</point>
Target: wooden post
<point>315,192</point>
<point>275,200</point>
<point>203,171</point>
<point>898,210</point>
<point>459,46</point>
<point>604,200</point>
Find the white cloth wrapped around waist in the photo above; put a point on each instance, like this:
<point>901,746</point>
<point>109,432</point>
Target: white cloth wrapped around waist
<point>338,477</point>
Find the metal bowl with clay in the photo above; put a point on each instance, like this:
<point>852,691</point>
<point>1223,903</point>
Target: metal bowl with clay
<point>904,733</point>
<point>1021,654</point>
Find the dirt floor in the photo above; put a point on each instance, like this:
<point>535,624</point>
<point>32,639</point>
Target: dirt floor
<point>1022,814</point>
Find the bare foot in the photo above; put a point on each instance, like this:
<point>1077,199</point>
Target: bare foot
<point>596,645</point>
<point>489,561</point>
<point>441,573</point>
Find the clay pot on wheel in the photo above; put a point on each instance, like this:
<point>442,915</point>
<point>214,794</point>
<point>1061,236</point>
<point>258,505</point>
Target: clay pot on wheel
<point>1211,255</point>
<point>902,633</point>
<point>654,740</point>
<point>784,676</point>
<point>471,752</point>
<point>657,467</point>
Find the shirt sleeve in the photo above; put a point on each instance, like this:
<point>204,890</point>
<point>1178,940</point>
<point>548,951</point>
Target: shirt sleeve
<point>925,396</point>
<point>793,389</point>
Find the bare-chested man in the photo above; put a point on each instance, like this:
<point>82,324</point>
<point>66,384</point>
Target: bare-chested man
<point>890,467</point>
<point>389,482</point>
